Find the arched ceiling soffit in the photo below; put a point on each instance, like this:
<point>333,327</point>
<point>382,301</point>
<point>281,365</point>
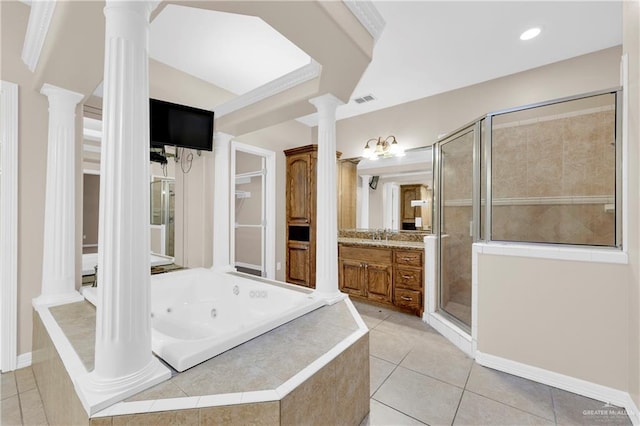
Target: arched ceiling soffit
<point>73,53</point>
<point>327,31</point>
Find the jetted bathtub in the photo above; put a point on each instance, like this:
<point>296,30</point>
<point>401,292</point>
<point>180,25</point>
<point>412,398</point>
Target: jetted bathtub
<point>197,314</point>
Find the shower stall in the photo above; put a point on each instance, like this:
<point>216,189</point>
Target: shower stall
<point>548,173</point>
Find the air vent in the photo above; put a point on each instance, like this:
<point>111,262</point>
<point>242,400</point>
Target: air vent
<point>365,98</point>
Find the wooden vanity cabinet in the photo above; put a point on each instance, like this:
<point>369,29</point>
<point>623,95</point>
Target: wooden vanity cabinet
<point>366,272</point>
<point>386,275</point>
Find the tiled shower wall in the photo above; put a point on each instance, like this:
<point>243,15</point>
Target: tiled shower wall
<point>564,158</point>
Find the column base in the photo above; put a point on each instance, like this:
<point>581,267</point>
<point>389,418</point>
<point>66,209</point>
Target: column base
<point>330,298</point>
<point>97,393</point>
<point>57,299</point>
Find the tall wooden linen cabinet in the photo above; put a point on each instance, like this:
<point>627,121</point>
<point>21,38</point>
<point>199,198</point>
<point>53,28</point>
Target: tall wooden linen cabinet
<point>301,210</point>
<point>301,215</point>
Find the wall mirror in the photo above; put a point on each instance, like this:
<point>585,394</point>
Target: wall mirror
<point>396,192</point>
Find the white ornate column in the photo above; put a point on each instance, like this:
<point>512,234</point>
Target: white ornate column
<point>364,203</point>
<point>59,252</point>
<point>327,200</point>
<point>124,364</point>
<point>221,200</point>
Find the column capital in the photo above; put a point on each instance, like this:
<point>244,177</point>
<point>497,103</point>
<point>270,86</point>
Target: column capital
<point>144,7</point>
<point>58,94</point>
<point>326,102</point>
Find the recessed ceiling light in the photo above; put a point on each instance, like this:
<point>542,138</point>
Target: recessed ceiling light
<point>530,33</point>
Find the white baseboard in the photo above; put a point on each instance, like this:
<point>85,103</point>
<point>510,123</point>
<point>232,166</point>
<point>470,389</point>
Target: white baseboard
<point>24,360</point>
<point>450,331</point>
<point>560,381</point>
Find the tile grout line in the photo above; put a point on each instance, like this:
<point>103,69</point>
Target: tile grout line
<point>553,405</point>
<point>15,380</point>
<point>464,389</point>
<point>508,405</point>
<point>40,395</point>
<point>398,411</point>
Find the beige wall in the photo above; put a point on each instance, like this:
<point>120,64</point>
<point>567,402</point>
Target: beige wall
<point>631,43</point>
<point>566,317</point>
<point>32,165</point>
<point>419,123</point>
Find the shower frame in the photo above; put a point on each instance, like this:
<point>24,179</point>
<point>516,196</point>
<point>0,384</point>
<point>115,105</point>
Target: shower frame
<point>482,180</point>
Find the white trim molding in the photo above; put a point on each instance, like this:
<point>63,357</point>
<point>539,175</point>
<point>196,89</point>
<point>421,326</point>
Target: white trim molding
<point>37,29</point>
<point>560,381</point>
<point>553,252</point>
<point>287,81</point>
<point>368,15</point>
<point>9,224</point>
<point>24,360</point>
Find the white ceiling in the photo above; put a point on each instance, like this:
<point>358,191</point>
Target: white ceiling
<point>235,52</point>
<point>430,47</point>
<point>426,47</point>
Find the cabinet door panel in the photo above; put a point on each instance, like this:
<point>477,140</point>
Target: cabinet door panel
<point>298,263</point>
<point>378,282</point>
<point>351,277</point>
<point>299,210</point>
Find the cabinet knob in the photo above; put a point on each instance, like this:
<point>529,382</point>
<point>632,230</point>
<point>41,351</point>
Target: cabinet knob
<point>406,277</point>
<point>405,298</point>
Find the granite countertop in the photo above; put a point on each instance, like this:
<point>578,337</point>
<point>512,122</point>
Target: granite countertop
<point>415,245</point>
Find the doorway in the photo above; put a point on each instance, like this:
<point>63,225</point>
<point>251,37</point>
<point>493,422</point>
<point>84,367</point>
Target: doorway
<point>253,210</point>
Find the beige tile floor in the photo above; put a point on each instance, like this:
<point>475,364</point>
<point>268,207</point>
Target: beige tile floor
<point>417,377</point>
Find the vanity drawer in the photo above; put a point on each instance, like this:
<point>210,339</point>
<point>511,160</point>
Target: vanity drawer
<point>411,258</point>
<point>409,278</point>
<point>410,299</point>
<point>365,254</point>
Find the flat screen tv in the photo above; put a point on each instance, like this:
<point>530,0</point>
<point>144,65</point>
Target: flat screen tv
<point>180,125</point>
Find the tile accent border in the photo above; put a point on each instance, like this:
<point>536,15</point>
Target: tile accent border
<point>561,381</point>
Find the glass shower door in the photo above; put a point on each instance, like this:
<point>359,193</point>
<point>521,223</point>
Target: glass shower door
<point>456,225</point>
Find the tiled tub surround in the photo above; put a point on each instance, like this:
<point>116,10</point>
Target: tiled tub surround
<point>312,370</point>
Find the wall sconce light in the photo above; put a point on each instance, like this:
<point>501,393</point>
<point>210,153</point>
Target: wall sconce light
<point>385,148</point>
